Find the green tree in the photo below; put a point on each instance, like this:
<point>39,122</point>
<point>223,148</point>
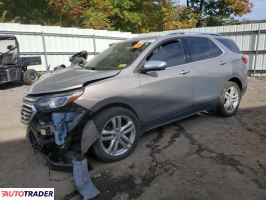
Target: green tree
<point>127,15</point>
<point>124,15</point>
<point>69,11</point>
<point>215,12</point>
<point>28,11</point>
<point>173,16</point>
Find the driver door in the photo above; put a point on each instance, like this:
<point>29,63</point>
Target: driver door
<point>167,94</point>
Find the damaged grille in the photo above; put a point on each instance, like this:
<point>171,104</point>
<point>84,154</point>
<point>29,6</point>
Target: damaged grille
<point>28,109</point>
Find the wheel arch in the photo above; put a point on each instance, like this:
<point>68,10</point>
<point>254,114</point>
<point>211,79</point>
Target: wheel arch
<point>117,102</point>
<point>90,133</point>
<point>233,78</point>
<point>237,81</point>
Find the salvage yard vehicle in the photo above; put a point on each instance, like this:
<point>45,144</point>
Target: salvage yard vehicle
<point>14,68</point>
<point>79,58</point>
<point>130,88</point>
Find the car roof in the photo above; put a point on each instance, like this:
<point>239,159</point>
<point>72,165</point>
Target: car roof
<point>166,35</point>
<point>7,37</point>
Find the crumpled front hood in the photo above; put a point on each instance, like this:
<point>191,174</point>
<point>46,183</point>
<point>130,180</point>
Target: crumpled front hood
<point>68,79</point>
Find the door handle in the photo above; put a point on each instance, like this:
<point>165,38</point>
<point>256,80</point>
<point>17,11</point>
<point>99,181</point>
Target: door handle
<point>222,62</point>
<point>184,71</point>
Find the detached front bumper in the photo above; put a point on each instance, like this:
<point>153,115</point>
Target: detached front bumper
<point>57,159</point>
<point>57,133</point>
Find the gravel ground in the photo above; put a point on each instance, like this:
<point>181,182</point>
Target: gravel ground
<point>200,158</point>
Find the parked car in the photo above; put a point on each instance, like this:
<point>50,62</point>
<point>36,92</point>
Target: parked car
<point>132,87</point>
<point>14,68</point>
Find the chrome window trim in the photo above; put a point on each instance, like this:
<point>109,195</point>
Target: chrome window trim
<point>223,52</point>
<point>192,62</point>
<point>188,62</point>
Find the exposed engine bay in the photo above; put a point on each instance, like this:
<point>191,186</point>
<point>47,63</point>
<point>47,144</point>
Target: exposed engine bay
<point>57,133</point>
<point>58,125</point>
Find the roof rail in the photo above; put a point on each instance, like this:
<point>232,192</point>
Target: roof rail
<point>201,33</point>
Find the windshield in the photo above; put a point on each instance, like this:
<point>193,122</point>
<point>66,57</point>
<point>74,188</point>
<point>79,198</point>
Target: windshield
<point>8,52</point>
<point>4,44</point>
<point>118,56</point>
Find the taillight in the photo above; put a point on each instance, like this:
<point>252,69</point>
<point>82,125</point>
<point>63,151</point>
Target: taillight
<point>245,59</point>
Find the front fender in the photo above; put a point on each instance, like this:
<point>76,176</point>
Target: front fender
<point>89,135</point>
<point>132,104</point>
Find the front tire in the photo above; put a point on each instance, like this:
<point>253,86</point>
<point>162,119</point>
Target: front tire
<point>119,131</point>
<point>229,99</point>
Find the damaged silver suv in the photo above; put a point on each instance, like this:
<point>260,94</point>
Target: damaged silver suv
<point>130,88</point>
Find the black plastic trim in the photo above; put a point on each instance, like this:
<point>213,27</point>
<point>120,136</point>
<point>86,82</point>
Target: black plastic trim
<point>181,114</point>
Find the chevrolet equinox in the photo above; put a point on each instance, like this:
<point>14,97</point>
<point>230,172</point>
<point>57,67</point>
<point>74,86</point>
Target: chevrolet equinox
<point>132,87</point>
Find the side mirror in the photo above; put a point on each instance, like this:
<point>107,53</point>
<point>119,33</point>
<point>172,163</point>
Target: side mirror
<point>154,66</point>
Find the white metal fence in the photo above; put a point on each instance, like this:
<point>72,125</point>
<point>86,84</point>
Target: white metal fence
<point>56,44</point>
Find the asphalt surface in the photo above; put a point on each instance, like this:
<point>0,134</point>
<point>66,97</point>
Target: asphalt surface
<point>204,157</point>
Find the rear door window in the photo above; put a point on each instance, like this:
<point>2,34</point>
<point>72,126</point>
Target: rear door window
<point>170,52</point>
<point>202,48</point>
<point>229,44</point>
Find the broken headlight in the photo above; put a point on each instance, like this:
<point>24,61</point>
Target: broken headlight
<point>57,101</point>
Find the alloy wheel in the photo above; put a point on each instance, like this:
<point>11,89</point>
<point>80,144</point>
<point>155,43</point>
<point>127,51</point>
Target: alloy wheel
<point>231,99</point>
<point>118,135</point>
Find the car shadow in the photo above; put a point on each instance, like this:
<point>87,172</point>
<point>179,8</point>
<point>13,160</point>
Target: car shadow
<point>8,86</point>
<point>20,162</point>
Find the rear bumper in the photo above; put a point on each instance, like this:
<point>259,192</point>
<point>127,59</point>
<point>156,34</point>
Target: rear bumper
<point>5,82</point>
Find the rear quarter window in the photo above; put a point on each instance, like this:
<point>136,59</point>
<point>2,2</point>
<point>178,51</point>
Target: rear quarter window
<point>229,44</point>
<point>202,48</point>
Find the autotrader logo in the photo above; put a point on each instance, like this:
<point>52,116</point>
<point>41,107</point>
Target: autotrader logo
<point>27,193</point>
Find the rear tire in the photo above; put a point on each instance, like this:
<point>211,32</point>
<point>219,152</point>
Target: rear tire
<point>229,100</point>
<point>30,76</point>
<point>119,131</point>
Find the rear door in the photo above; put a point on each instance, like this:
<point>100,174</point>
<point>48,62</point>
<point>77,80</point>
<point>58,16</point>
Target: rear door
<point>208,67</point>
<point>168,92</point>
